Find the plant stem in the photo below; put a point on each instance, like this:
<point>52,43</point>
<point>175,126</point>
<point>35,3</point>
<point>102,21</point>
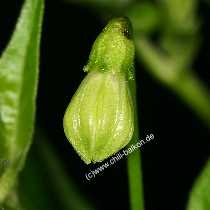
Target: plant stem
<point>134,163</point>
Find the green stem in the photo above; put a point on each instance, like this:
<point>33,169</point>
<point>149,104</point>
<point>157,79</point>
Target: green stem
<point>134,164</point>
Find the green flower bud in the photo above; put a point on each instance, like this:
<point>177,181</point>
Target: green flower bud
<point>99,120</point>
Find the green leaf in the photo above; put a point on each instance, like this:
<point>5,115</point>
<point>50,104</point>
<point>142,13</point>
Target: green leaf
<point>200,195</point>
<point>18,86</point>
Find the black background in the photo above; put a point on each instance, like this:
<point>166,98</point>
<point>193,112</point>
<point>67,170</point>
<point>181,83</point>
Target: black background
<point>181,147</point>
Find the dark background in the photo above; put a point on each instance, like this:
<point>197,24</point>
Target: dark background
<point>181,147</point>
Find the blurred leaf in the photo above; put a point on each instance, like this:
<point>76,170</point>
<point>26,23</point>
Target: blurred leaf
<point>179,79</point>
<point>181,47</point>
<point>160,65</point>
<point>35,188</point>
<point>180,34</point>
<point>105,7</point>
<point>200,195</point>
<point>44,184</point>
<point>66,190</point>
<point>144,16</point>
<point>18,87</point>
<point>12,202</point>
<point>180,15</point>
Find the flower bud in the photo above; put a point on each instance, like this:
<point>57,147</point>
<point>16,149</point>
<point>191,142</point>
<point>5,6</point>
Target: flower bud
<point>99,120</point>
